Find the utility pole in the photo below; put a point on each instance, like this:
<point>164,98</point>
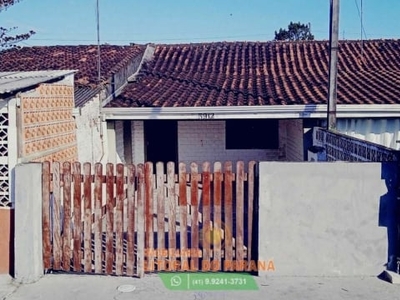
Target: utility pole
<point>98,42</point>
<point>333,58</point>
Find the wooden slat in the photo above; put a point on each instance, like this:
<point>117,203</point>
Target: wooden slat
<point>149,240</point>
<point>141,221</point>
<point>57,242</point>
<point>171,212</point>
<point>98,224</point>
<point>77,178</point>
<point>46,215</point>
<point>250,207</point>
<point>87,237</point>
<point>239,211</point>
<point>228,215</point>
<point>217,226</point>
<point>183,235</point>
<point>130,255</point>
<point>67,182</point>
<point>109,217</point>
<point>194,198</point>
<point>206,231</point>
<point>160,209</point>
<point>119,212</point>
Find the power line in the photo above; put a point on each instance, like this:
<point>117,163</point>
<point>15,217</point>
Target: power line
<point>98,41</point>
<point>360,15</point>
<point>165,39</point>
<point>263,35</point>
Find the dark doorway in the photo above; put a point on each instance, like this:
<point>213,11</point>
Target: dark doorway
<point>161,137</point>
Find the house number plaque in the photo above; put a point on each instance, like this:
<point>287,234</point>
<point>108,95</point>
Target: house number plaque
<point>205,116</point>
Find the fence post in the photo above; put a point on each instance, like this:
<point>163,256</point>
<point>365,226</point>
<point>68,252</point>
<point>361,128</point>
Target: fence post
<point>28,219</point>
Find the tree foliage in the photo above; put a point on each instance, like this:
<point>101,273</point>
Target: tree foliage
<point>8,40</point>
<point>295,32</point>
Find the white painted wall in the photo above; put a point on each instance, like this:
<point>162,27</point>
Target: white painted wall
<point>381,131</point>
<point>291,140</point>
<point>295,133</point>
<point>119,138</point>
<point>137,142</point>
<point>88,132</point>
<point>201,141</point>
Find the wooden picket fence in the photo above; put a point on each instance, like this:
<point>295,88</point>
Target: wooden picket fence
<point>130,219</point>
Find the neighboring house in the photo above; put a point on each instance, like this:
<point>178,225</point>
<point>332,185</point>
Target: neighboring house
<point>92,89</point>
<point>222,101</point>
<point>253,100</point>
<point>36,124</point>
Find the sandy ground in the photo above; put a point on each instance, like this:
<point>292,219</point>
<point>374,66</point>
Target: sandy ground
<point>63,286</point>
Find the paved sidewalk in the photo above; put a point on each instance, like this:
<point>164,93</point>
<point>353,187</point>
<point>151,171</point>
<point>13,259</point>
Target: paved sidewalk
<point>62,286</point>
<point>7,286</point>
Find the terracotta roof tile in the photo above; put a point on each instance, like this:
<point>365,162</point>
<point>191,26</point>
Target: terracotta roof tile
<point>82,58</point>
<point>265,73</point>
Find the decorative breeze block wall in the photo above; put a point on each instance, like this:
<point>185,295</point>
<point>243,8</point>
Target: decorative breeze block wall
<point>48,130</point>
<point>5,200</point>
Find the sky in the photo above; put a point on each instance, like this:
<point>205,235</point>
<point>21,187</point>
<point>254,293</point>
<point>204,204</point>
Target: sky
<point>73,22</point>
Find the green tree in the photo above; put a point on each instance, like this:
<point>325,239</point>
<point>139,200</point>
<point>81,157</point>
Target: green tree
<point>7,40</point>
<point>295,32</point>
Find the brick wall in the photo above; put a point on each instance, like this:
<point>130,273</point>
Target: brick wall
<point>47,128</point>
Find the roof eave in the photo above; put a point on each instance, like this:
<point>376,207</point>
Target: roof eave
<point>250,112</point>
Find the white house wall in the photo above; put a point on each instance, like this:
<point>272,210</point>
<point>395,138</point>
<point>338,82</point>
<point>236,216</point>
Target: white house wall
<point>137,142</point>
<point>381,131</point>
<point>201,141</point>
<point>119,135</point>
<point>291,139</point>
<point>88,132</point>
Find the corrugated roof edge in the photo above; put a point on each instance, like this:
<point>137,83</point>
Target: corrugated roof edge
<point>12,82</point>
<point>83,94</point>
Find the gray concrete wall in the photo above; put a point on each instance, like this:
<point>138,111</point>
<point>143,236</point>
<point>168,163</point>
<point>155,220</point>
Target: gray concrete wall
<point>326,219</point>
<point>28,252</point>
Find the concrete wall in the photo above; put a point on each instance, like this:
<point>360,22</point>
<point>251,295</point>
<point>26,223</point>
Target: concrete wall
<point>326,219</point>
<point>88,132</point>
<point>28,219</point>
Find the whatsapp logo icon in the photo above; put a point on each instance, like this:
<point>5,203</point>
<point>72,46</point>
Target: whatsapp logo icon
<point>175,281</point>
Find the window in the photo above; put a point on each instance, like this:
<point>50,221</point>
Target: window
<point>252,134</point>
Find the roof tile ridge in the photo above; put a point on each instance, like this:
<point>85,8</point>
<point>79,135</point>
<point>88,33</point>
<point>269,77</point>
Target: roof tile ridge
<point>148,55</point>
<point>128,57</point>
